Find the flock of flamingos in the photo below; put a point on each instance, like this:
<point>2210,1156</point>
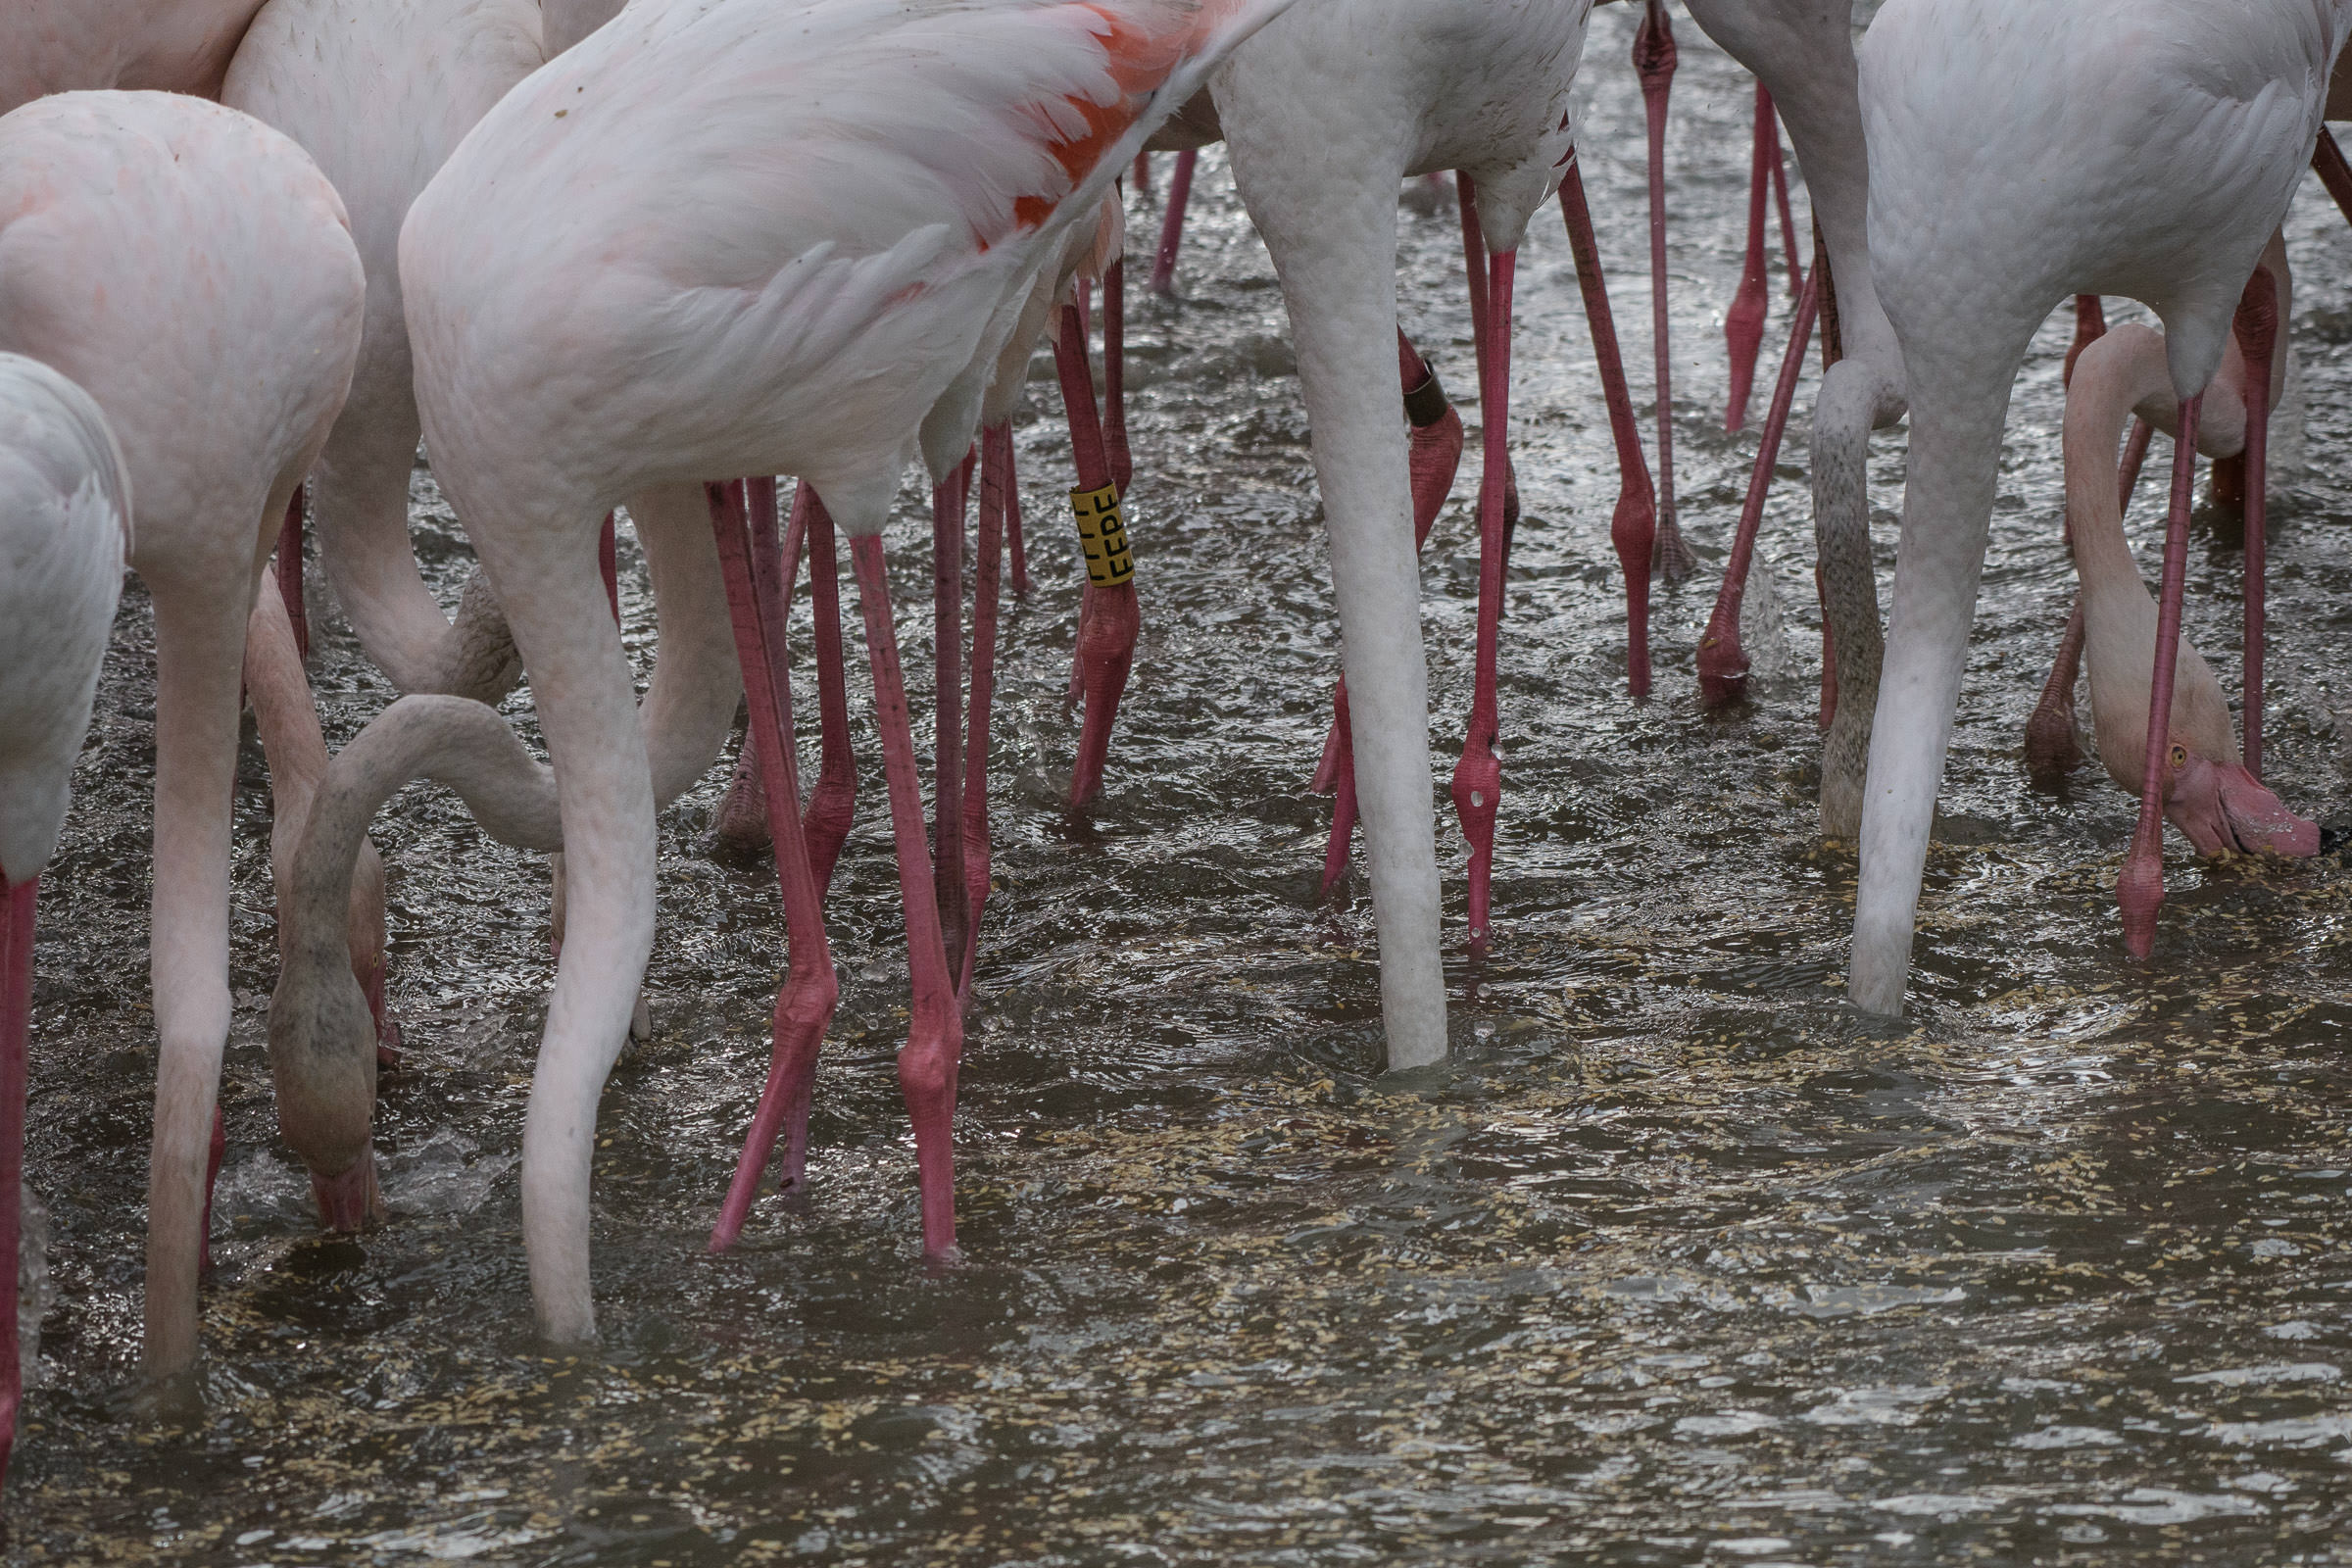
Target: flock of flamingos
<point>592,256</point>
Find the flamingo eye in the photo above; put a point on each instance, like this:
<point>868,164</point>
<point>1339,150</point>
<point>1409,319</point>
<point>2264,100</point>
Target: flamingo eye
<point>2179,756</point>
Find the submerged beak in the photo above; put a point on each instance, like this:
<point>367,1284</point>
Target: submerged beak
<point>2222,807</point>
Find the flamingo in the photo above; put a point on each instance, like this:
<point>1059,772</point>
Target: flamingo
<point>65,516</point>
<point>191,269</point>
<point>759,236</point>
<point>378,91</point>
<point>2022,153</point>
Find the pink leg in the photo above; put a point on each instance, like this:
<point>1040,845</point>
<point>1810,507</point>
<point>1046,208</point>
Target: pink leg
<point>1743,323</point>
<point>740,823</point>
<point>1654,60</point>
<point>804,1005</point>
<point>2141,886</point>
<point>289,573</point>
<point>1436,453</point>
<point>1171,223</point>
<point>1722,664</point>
<point>1020,558</point>
<point>1109,618</point>
<point>1779,198</point>
<point>1114,374</point>
<point>1475,271</point>
<point>2091,325</point>
<point>947,506</point>
<point>17,901</point>
<point>1143,175</point>
<point>1634,528</point>
<point>2334,172</point>
<point>832,804</point>
<point>608,562</point>
<point>2258,337</point>
<point>995,475</point>
<point>935,1034</point>
<point>1478,778</point>
<point>2053,749</point>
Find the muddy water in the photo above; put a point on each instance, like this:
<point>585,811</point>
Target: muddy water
<point>1677,1262</point>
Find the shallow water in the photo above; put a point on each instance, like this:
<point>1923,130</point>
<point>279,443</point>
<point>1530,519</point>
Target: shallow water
<point>1679,1260</point>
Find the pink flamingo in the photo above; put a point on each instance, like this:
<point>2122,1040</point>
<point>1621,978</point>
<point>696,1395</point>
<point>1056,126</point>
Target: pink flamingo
<point>191,269</point>
<point>2164,143</point>
<point>378,94</point>
<point>65,513</point>
<point>832,307</point>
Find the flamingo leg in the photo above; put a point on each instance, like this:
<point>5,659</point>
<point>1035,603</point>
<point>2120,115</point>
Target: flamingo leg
<point>1143,175</point>
<point>1018,558</point>
<point>2258,337</point>
<point>1475,269</point>
<point>2053,749</point>
<point>1779,198</point>
<point>1634,527</point>
<point>2334,172</point>
<point>833,799</point>
<point>948,503</point>
<point>1478,776</point>
<point>1654,60</point>
<point>289,574</point>
<point>1722,662</point>
<point>1743,323</point>
<point>996,478</point>
<point>804,1004</point>
<point>741,821</point>
<point>1171,223</point>
<point>935,1033</point>
<point>607,565</point>
<point>1114,373</point>
<point>17,911</point>
<point>2140,889</point>
<point>2091,325</point>
<point>1108,617</point>
<point>1435,453</point>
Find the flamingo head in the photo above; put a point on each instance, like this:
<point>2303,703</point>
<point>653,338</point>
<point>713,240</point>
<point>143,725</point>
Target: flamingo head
<point>2222,807</point>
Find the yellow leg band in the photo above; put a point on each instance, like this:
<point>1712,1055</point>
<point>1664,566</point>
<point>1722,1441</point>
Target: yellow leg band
<point>1102,534</point>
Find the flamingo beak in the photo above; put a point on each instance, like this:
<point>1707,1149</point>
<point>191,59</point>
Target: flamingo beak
<point>351,1201</point>
<point>2223,809</point>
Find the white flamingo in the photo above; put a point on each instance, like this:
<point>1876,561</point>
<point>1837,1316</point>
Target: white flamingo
<point>1399,88</point>
<point>758,236</point>
<point>65,515</point>
<point>190,267</point>
<point>2021,152</point>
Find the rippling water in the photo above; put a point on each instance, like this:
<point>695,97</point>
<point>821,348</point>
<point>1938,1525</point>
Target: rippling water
<point>1679,1260</point>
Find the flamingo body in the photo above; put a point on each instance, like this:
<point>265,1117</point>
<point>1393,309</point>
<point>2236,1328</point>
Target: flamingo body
<point>191,269</point>
<point>2019,154</point>
<point>760,237</point>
